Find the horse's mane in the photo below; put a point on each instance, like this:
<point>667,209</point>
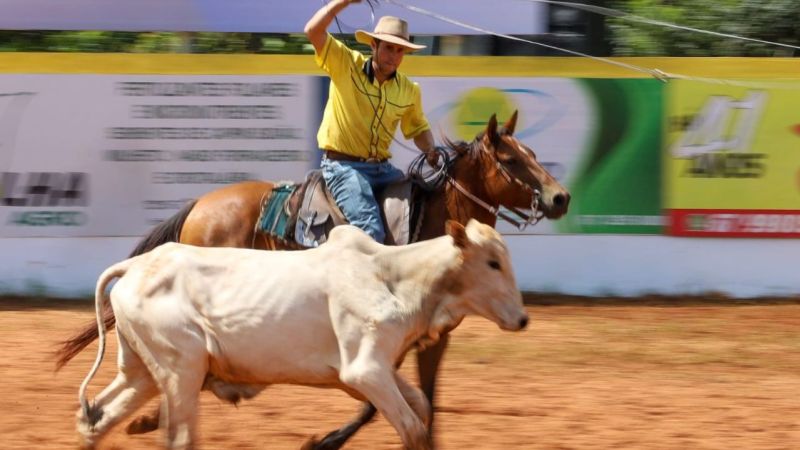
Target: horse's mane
<point>449,153</point>
<point>473,148</point>
<point>460,147</point>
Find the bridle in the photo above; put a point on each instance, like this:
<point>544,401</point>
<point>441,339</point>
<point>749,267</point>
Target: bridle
<point>527,219</point>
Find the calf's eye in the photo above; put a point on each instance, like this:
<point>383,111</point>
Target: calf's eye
<point>494,265</point>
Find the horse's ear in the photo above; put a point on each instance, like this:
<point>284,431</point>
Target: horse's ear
<point>457,232</point>
<point>491,130</point>
<point>511,123</point>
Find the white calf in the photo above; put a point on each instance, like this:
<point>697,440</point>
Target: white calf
<point>342,315</point>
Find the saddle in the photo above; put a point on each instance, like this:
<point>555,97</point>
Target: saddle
<point>303,214</point>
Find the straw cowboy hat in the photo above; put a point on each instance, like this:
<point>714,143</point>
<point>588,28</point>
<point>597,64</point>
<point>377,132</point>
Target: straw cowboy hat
<point>389,29</point>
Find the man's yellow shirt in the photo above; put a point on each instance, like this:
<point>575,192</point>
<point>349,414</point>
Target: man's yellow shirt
<point>362,115</point>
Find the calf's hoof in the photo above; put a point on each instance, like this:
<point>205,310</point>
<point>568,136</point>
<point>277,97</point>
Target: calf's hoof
<point>142,425</point>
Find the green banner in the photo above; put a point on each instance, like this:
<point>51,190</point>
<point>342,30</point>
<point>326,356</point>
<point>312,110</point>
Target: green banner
<point>616,187</point>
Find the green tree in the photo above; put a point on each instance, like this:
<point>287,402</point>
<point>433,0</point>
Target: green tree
<point>775,20</point>
<point>151,42</point>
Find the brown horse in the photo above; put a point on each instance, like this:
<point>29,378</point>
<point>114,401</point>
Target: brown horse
<point>494,170</point>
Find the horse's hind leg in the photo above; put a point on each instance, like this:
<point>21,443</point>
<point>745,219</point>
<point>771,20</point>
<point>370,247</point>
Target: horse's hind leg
<point>131,388</point>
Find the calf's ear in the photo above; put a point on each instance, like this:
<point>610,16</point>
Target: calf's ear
<point>457,232</point>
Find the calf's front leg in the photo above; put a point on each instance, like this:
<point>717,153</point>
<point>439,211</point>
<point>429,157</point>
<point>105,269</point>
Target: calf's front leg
<point>376,379</point>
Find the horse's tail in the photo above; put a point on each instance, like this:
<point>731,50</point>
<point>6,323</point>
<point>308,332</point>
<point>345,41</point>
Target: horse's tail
<point>167,231</point>
<point>100,301</point>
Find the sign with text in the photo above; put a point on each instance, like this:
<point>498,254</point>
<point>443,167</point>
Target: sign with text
<point>103,155</point>
<point>732,159</point>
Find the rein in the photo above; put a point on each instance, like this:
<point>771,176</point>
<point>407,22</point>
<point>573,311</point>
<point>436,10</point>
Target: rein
<point>535,215</point>
<point>528,219</point>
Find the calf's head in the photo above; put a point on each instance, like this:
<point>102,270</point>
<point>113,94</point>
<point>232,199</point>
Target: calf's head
<point>486,279</point>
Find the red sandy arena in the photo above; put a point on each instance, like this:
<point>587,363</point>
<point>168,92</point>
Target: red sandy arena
<point>600,374</point>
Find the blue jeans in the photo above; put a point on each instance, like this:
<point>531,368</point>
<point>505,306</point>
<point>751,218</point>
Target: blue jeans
<point>352,185</point>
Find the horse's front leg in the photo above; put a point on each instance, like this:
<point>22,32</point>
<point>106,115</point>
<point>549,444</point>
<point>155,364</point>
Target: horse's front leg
<point>428,362</point>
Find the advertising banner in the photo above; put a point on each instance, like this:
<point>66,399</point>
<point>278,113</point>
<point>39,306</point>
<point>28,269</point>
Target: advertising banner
<point>733,160</point>
<point>599,137</point>
<point>110,155</point>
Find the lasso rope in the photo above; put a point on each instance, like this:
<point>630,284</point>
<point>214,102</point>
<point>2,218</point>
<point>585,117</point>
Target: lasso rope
<point>634,18</point>
<point>654,72</point>
<point>427,177</point>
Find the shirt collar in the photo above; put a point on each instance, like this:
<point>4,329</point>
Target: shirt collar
<point>369,71</point>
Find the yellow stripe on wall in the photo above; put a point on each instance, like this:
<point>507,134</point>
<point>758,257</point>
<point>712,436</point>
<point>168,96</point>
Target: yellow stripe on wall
<point>466,66</point>
<point>573,67</point>
<point>151,64</point>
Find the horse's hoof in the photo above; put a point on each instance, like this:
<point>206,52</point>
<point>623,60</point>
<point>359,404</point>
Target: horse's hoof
<point>143,424</point>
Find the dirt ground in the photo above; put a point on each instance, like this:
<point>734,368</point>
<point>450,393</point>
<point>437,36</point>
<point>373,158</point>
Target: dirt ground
<point>585,375</point>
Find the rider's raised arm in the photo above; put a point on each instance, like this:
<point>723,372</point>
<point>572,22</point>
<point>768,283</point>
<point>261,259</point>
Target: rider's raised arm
<point>317,27</point>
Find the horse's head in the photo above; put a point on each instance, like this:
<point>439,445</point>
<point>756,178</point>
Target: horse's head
<point>512,176</point>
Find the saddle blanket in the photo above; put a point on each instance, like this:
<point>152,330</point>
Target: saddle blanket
<point>274,216</point>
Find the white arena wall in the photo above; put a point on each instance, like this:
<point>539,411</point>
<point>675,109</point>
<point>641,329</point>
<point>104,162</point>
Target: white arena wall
<point>108,131</point>
<point>626,266</point>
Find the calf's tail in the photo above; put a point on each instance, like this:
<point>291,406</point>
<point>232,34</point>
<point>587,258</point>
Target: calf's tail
<point>167,231</point>
<point>100,301</point>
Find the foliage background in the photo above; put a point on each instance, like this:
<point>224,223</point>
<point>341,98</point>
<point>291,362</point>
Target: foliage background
<point>773,20</point>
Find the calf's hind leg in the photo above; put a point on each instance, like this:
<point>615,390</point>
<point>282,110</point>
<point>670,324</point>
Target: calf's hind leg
<point>179,408</point>
<point>179,377</point>
<point>132,387</point>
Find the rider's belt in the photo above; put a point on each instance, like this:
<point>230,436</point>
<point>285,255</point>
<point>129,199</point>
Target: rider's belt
<point>338,156</point>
